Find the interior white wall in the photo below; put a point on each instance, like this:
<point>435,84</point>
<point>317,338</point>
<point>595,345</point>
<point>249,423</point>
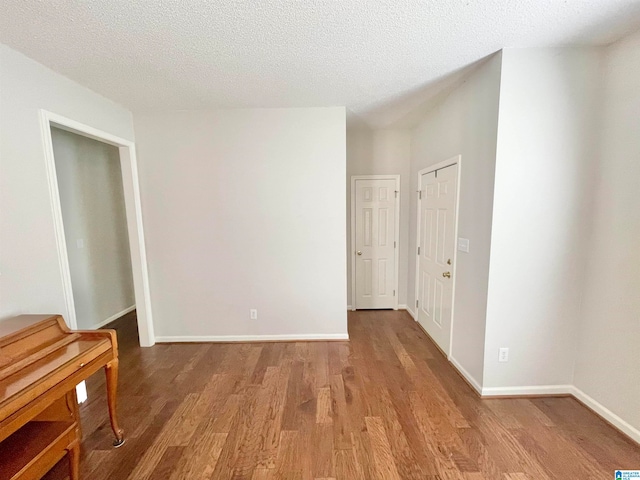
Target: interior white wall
<point>544,175</point>
<point>381,152</point>
<point>245,209</point>
<point>608,358</point>
<point>463,123</point>
<point>93,212</point>
<point>30,276</point>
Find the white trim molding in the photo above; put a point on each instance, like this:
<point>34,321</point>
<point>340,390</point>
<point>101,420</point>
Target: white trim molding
<point>468,377</point>
<point>253,338</point>
<point>553,391</point>
<point>606,414</point>
<point>409,311</point>
<point>527,390</point>
<point>352,240</point>
<point>113,317</point>
<point>133,207</point>
<point>569,390</point>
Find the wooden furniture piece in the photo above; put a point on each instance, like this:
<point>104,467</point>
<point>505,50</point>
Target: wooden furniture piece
<point>41,362</point>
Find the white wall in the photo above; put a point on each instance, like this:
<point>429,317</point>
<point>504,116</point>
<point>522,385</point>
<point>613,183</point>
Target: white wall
<point>464,122</point>
<point>381,152</point>
<point>608,355</point>
<point>544,173</point>
<point>245,209</point>
<point>30,278</point>
<point>93,211</point>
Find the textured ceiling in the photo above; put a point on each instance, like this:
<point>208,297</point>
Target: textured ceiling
<point>376,57</point>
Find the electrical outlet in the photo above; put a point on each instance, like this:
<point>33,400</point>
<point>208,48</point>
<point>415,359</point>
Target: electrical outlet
<point>503,355</point>
<point>254,314</point>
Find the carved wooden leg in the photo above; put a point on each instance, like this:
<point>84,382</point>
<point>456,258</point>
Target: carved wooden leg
<point>111,370</point>
<point>74,461</point>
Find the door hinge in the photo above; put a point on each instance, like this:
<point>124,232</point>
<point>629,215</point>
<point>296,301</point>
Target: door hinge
<point>420,194</point>
<point>418,250</point>
<point>396,192</point>
<point>417,303</point>
<point>394,293</point>
<point>394,244</point>
<point>436,173</point>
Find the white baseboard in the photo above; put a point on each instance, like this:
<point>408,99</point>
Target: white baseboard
<point>607,414</point>
<point>349,307</point>
<point>113,317</point>
<point>472,381</point>
<point>527,390</point>
<point>595,406</point>
<point>402,306</point>
<point>253,338</point>
<point>411,312</point>
<point>592,404</point>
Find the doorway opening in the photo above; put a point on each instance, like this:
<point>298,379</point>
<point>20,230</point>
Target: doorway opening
<point>95,228</point>
<point>437,231</point>
<point>87,228</point>
<point>375,225</point>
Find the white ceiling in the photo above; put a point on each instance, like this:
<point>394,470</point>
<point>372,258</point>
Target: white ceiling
<point>376,57</point>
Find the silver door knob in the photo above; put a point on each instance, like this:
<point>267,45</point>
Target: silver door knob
<point>359,252</point>
<point>447,274</point>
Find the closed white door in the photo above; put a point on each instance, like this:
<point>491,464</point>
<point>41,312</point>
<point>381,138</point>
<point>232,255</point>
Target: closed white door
<point>437,222</point>
<point>375,223</point>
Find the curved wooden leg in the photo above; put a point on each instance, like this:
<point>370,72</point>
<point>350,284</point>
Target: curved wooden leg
<point>111,371</point>
<point>74,461</point>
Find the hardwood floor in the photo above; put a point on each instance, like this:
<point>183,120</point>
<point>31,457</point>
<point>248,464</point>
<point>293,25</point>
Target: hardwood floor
<point>385,405</point>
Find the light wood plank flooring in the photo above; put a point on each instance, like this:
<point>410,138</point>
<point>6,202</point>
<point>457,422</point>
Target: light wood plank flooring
<point>385,405</point>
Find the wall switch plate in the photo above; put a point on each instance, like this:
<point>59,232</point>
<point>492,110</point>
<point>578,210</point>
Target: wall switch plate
<point>253,313</point>
<point>463,245</point>
<point>503,355</point>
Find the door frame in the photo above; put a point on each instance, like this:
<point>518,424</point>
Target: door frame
<point>133,207</point>
<point>457,160</point>
<point>396,238</point>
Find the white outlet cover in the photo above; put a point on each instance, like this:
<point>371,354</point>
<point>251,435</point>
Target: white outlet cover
<point>503,355</point>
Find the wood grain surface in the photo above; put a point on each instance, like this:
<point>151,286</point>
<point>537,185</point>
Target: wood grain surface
<point>386,405</point>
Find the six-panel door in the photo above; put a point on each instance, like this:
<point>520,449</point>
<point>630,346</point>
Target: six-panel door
<point>437,244</point>
<point>375,222</point>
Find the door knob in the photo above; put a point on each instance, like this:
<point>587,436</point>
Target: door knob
<point>447,274</point>
<point>359,252</point>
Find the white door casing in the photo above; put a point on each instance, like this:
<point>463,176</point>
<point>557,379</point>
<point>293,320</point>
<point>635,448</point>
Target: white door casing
<point>437,231</point>
<point>133,208</point>
<point>374,223</point>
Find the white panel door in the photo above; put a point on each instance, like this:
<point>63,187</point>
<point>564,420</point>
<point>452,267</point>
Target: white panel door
<point>437,222</point>
<point>375,222</point>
